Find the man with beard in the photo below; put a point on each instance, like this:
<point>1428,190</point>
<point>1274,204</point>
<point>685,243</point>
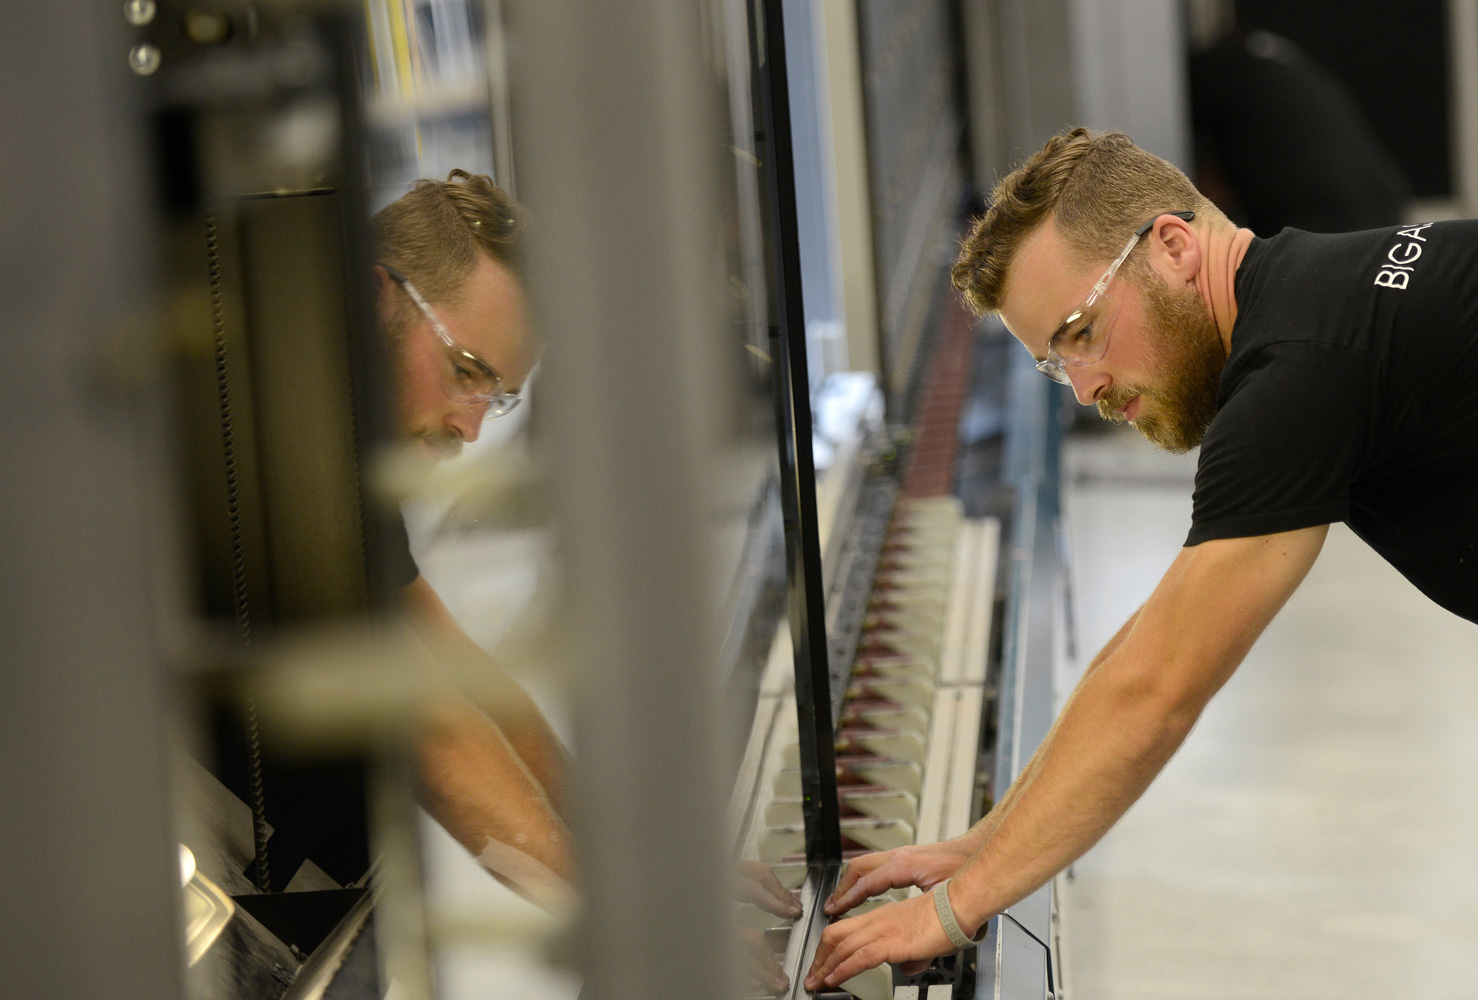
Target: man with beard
<point>450,304</point>
<point>1325,377</point>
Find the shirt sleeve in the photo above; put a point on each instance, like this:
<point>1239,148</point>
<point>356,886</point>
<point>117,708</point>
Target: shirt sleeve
<point>1287,443</point>
<point>400,566</point>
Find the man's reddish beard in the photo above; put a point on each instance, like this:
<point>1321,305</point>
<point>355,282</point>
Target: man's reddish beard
<point>1187,356</point>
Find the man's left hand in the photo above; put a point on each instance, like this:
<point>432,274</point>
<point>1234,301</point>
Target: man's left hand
<point>907,934</point>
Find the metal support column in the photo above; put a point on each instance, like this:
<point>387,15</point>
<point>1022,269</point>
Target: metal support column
<point>90,873</point>
<point>617,138</point>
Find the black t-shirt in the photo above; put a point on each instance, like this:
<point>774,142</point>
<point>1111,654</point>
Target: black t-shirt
<point>400,565</point>
<point>1291,138</point>
<point>1351,394</point>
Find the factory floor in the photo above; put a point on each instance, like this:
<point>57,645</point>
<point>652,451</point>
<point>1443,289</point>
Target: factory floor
<point>1317,835</point>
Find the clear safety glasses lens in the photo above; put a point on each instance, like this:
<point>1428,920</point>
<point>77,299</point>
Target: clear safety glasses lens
<point>1054,371</point>
<point>466,379</point>
<point>469,383</point>
<point>1083,342</point>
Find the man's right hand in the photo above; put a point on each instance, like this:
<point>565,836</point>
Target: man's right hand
<point>924,865</point>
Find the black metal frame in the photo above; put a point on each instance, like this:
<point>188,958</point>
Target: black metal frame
<point>807,595</point>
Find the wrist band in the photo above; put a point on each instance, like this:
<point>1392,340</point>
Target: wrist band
<point>947,916</point>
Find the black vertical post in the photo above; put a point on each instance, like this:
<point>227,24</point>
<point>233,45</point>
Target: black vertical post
<point>820,804</point>
<point>368,358</point>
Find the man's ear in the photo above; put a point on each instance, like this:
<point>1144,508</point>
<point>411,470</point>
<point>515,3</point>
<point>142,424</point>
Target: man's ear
<point>1177,249</point>
<point>382,286</point>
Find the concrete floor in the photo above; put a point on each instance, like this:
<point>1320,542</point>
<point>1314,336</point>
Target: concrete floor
<point>1317,836</point>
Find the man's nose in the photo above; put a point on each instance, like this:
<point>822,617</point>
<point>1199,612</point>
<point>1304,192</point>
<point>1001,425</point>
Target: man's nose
<point>466,421</point>
<point>1088,386</point>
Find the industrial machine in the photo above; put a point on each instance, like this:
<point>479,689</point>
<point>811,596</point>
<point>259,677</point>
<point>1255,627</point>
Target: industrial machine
<point>907,709</point>
<point>873,644</point>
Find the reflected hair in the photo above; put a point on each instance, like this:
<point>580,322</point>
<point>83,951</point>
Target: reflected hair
<point>433,233</point>
<point>1098,186</point>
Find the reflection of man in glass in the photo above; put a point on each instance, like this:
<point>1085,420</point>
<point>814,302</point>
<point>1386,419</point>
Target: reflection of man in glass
<point>449,302</point>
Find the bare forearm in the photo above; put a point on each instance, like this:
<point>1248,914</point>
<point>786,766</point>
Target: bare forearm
<point>1109,743</point>
<point>534,741</point>
<point>1133,708</point>
<point>477,787</point>
<point>505,702</point>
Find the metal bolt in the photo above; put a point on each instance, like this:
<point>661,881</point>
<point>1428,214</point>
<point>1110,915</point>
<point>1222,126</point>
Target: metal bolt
<point>143,59</point>
<point>139,12</point>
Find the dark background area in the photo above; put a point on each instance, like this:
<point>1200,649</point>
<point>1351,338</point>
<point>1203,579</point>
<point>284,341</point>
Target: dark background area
<point>1399,78</point>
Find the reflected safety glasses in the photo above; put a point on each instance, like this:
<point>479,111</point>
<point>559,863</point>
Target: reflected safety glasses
<point>466,378</point>
<point>1082,339</point>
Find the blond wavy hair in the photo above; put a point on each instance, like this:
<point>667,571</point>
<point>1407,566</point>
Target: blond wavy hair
<point>433,233</point>
<point>1098,186</point>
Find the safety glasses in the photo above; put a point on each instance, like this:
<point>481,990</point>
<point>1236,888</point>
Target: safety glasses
<point>1082,339</point>
<point>466,378</point>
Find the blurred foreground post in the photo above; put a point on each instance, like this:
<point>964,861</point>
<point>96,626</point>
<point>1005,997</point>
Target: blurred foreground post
<point>88,864</point>
<point>618,137</point>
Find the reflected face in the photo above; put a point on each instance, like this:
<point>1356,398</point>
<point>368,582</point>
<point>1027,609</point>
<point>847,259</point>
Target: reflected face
<point>1164,358</point>
<point>489,319</point>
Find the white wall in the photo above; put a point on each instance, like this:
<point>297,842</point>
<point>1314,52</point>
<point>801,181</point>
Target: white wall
<point>1129,63</point>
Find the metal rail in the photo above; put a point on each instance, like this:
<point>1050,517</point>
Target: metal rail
<point>820,805</point>
<point>1014,961</point>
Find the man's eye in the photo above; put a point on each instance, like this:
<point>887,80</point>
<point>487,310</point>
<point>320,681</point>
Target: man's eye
<point>465,375</point>
<point>1084,334</point>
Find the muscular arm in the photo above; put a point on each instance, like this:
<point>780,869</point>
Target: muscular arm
<point>1132,711</point>
<point>510,707</point>
<point>1128,715</point>
<point>492,778</point>
<point>929,864</point>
